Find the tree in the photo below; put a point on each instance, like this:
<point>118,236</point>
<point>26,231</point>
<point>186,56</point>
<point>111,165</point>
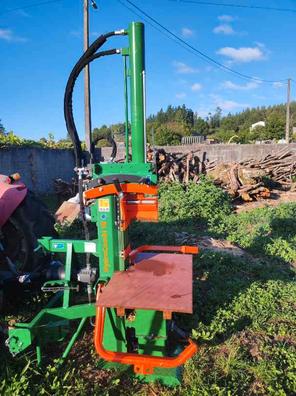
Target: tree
<point>275,127</point>
<point>201,127</point>
<point>258,133</point>
<point>174,122</point>
<point>2,129</point>
<point>166,136</point>
<point>214,120</point>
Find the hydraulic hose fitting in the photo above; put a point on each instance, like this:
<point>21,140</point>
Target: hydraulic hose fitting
<point>121,32</point>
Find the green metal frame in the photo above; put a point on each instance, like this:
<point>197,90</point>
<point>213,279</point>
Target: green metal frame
<point>53,322</point>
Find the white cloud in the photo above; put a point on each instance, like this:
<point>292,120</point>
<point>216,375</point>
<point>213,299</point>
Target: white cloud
<point>242,54</point>
<point>231,105</point>
<point>196,87</point>
<point>9,36</point>
<point>278,85</point>
<point>186,32</point>
<point>182,68</point>
<point>181,95</point>
<point>240,87</point>
<point>226,18</point>
<point>225,28</point>
<point>227,105</point>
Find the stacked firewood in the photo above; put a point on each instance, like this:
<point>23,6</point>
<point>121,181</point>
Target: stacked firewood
<point>246,180</point>
<point>280,167</point>
<point>184,168</point>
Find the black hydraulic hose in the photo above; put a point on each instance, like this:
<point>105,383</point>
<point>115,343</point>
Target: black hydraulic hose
<point>114,148</point>
<point>87,57</point>
<point>68,107</point>
<point>111,141</point>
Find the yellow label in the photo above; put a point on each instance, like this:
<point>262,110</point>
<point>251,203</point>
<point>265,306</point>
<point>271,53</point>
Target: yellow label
<point>104,205</point>
<point>105,251</point>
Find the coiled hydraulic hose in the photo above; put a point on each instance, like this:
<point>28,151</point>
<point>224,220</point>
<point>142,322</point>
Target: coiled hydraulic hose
<point>89,55</point>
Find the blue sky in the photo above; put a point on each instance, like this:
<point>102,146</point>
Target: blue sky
<point>40,45</point>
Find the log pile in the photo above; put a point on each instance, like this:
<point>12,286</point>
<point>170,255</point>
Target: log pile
<point>184,168</point>
<point>280,167</point>
<point>246,180</point>
<point>240,181</point>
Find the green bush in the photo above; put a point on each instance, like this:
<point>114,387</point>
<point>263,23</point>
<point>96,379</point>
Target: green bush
<point>12,140</point>
<point>204,202</point>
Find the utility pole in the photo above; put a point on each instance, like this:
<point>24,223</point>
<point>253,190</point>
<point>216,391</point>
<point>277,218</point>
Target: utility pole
<point>288,111</point>
<point>87,108</point>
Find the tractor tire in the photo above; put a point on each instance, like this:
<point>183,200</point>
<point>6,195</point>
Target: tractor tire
<point>29,222</point>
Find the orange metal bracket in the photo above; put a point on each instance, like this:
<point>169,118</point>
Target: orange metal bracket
<point>143,364</point>
<point>110,189</point>
<point>160,248</point>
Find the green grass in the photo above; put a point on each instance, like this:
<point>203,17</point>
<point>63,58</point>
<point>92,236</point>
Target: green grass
<point>244,318</point>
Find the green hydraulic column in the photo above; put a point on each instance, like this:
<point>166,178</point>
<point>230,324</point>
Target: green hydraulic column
<point>137,71</point>
<point>126,111</point>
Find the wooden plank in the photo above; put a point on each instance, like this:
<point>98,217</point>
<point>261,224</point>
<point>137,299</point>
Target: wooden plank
<point>158,281</point>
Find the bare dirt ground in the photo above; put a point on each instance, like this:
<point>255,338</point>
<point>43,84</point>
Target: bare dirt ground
<point>277,197</point>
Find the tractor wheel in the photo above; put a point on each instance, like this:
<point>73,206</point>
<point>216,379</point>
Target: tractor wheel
<point>30,221</point>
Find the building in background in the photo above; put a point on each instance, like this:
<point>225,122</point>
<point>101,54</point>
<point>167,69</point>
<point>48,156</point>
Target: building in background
<point>257,124</point>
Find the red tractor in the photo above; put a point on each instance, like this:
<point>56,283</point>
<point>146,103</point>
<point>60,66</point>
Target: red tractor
<point>23,219</point>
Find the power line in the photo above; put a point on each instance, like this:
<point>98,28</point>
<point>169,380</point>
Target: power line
<point>211,3</point>
<point>193,49</point>
<point>149,23</point>
<point>29,6</point>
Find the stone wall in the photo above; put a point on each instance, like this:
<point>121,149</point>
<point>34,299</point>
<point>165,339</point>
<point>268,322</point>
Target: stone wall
<point>219,152</point>
<point>39,167</point>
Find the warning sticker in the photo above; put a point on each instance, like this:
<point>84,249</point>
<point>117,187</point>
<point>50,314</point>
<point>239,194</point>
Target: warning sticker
<point>104,205</point>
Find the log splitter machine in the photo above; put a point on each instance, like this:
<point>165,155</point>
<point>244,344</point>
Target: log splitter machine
<point>138,291</point>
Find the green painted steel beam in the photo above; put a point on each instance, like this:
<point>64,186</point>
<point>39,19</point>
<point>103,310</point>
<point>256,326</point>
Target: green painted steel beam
<point>109,169</point>
<point>126,127</point>
<point>137,71</point>
<point>70,313</point>
<point>60,245</point>
<point>105,213</point>
<point>68,270</point>
<point>73,339</point>
<point>22,335</point>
